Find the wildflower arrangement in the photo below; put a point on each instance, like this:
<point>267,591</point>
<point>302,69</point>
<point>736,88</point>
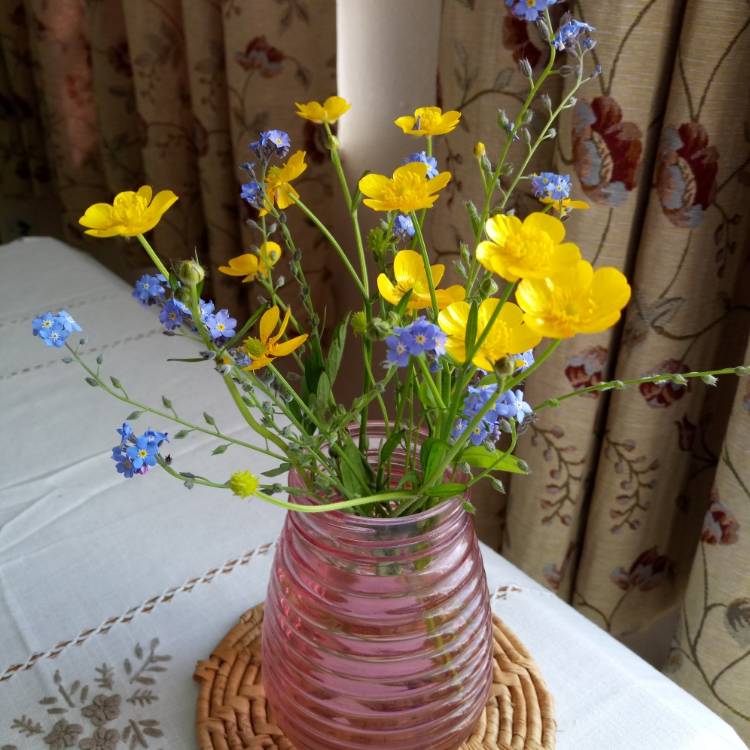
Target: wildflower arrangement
<point>444,364</point>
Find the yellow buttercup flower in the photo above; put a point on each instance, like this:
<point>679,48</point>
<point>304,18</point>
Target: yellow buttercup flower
<point>508,335</point>
<point>129,214</point>
<point>566,205</point>
<point>329,111</point>
<point>243,483</point>
<point>251,265</point>
<point>408,268</point>
<point>408,190</point>
<point>278,190</point>
<point>429,121</point>
<point>533,248</point>
<point>262,351</point>
<point>579,300</point>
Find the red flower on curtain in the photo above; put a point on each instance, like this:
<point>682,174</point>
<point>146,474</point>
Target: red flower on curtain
<point>606,150</point>
<point>262,56</point>
<point>516,39</point>
<point>662,395</point>
<point>649,570</point>
<point>586,368</point>
<point>686,174</point>
<point>719,526</point>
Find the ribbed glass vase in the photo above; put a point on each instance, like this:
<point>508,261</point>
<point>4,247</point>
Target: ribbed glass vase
<point>377,631</point>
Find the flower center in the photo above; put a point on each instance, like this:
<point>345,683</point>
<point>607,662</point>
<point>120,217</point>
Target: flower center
<point>254,347</point>
<point>426,121</point>
<point>129,208</point>
<point>532,245</point>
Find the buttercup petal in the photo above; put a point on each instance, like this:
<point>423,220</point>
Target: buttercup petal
<point>551,225</point>
<point>163,200</point>
<point>406,123</point>
<point>408,268</point>
<point>98,216</point>
<point>145,192</point>
<point>268,322</point>
<point>387,290</point>
<point>283,348</point>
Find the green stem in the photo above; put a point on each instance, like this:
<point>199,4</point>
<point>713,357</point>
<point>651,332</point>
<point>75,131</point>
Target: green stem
<point>154,257</point>
<point>460,444</point>
<point>430,382</point>
<point>171,417</point>
<point>323,508</point>
<point>334,243</point>
<point>491,322</point>
<point>426,262</point>
<point>618,384</point>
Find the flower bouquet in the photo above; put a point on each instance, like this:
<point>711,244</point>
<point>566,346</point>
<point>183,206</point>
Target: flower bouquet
<point>377,625</point>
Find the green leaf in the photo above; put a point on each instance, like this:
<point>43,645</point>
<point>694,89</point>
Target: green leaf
<point>324,393</point>
<point>390,445</point>
<point>336,349</point>
<point>426,396</point>
<point>219,449</point>
<point>278,471</point>
<point>449,489</point>
<point>403,302</point>
<point>471,328</point>
<point>431,455</point>
<point>480,457</point>
<point>134,415</point>
<point>355,475</point>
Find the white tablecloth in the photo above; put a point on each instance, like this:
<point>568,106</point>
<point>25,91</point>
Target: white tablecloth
<point>112,589</point>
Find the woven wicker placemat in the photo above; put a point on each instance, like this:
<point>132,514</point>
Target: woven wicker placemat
<point>232,713</point>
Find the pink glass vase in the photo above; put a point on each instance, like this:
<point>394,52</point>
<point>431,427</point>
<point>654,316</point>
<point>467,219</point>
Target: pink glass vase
<point>378,631</point>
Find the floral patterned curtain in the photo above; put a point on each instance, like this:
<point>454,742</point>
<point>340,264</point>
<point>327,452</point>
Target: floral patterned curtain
<point>105,95</point>
<point>639,501</point>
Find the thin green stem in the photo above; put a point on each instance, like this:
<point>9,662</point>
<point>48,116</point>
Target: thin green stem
<point>609,385</point>
<point>430,382</point>
<point>171,417</point>
<point>426,262</point>
<point>460,444</point>
<point>154,257</point>
<point>336,246</point>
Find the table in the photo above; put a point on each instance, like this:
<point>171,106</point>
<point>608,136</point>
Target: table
<point>112,589</point>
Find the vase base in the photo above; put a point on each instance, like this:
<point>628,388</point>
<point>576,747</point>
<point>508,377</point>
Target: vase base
<point>232,711</point>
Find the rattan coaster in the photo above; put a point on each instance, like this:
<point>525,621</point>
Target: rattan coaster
<point>232,713</point>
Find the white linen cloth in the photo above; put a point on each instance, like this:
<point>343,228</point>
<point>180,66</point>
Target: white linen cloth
<point>112,589</point>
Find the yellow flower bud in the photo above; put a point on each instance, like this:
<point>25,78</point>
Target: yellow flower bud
<point>479,150</point>
<point>243,484</point>
<point>190,272</point>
